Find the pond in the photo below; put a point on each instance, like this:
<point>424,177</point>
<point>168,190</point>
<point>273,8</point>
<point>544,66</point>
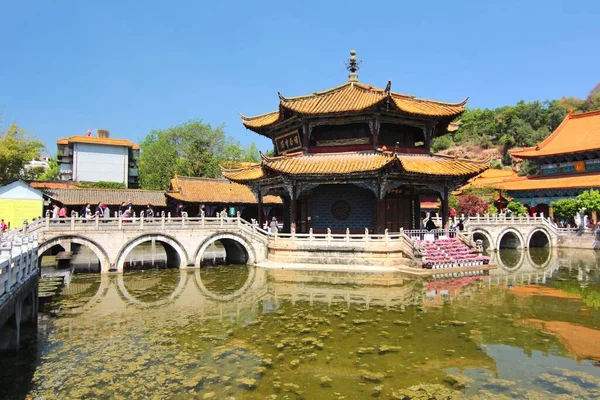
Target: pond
<point>529,329</point>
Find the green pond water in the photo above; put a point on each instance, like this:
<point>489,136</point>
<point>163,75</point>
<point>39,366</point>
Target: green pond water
<point>237,332</point>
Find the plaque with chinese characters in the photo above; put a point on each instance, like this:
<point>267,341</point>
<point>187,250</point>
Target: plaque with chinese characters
<point>288,142</point>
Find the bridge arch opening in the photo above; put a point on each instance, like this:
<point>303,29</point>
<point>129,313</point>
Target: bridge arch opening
<point>510,239</point>
<point>151,252</point>
<point>485,239</point>
<point>75,252</point>
<point>224,248</point>
<point>539,239</point>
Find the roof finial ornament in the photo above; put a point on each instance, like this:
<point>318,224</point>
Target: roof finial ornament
<point>353,65</point>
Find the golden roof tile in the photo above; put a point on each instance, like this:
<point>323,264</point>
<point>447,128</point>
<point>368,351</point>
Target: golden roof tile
<point>299,164</point>
<point>208,190</point>
<point>352,97</point>
<point>577,133</point>
<point>488,178</point>
<point>579,181</point>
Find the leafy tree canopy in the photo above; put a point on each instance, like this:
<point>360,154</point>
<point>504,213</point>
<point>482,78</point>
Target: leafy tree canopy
<point>524,124</point>
<point>191,149</point>
<point>16,149</point>
<point>566,208</point>
<point>471,204</point>
<point>590,199</point>
<point>52,173</point>
<point>516,207</point>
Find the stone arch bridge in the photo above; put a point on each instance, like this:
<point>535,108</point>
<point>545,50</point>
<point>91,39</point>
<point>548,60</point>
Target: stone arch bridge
<point>517,232</point>
<point>184,239</point>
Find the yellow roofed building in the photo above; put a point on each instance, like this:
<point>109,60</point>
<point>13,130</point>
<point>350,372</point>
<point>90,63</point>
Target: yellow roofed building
<point>355,157</point>
<point>568,163</point>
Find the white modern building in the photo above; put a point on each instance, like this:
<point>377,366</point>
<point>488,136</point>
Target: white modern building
<point>98,158</point>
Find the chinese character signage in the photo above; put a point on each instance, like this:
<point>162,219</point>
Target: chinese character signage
<point>288,142</point>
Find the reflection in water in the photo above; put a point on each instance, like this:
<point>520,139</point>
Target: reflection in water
<point>253,333</point>
<point>224,279</point>
<point>510,258</point>
<point>540,255</point>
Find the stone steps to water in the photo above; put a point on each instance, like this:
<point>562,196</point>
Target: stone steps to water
<point>50,286</point>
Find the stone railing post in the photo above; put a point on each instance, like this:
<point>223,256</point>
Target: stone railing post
<point>366,234</point>
<point>221,220</point>
<point>386,236</point>
<point>97,222</point>
<point>72,221</point>
<point>120,222</point>
<point>48,222</point>
<point>142,219</point>
<point>239,219</point>
<point>347,235</point>
<point>162,221</point>
<point>183,217</point>
<point>328,235</point>
<point>202,214</point>
<point>310,235</point>
<point>169,217</point>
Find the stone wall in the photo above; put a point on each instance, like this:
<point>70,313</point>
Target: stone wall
<point>579,241</point>
<point>361,207</point>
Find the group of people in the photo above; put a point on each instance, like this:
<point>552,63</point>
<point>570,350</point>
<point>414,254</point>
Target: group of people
<point>102,211</point>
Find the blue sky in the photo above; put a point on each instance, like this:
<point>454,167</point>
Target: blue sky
<point>130,67</point>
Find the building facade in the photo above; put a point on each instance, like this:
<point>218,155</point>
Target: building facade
<point>568,163</point>
<point>355,157</point>
<point>20,202</point>
<point>98,158</point>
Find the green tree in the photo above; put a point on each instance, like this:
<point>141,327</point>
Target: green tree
<point>191,149</point>
<point>516,207</point>
<point>566,208</point>
<point>528,168</point>
<point>590,199</point>
<point>52,173</point>
<point>441,143</point>
<point>16,149</point>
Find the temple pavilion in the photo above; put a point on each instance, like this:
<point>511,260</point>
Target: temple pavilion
<point>355,157</point>
<point>568,163</point>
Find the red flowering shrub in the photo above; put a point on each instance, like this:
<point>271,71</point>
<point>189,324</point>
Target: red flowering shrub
<point>470,204</point>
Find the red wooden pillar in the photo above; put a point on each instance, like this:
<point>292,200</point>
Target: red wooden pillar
<point>260,208</point>
<point>293,210</point>
<point>445,208</point>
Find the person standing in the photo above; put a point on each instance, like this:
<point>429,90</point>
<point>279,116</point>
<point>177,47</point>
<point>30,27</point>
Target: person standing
<point>149,212</point>
<point>99,211</point>
<point>106,212</point>
<point>62,213</point>
<point>3,226</point>
<point>55,211</point>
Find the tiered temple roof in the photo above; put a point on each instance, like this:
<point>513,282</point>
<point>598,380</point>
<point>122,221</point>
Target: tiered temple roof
<point>577,133</point>
<point>306,165</point>
<point>349,98</point>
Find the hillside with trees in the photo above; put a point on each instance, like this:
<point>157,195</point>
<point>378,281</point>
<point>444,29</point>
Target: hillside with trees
<point>495,131</point>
